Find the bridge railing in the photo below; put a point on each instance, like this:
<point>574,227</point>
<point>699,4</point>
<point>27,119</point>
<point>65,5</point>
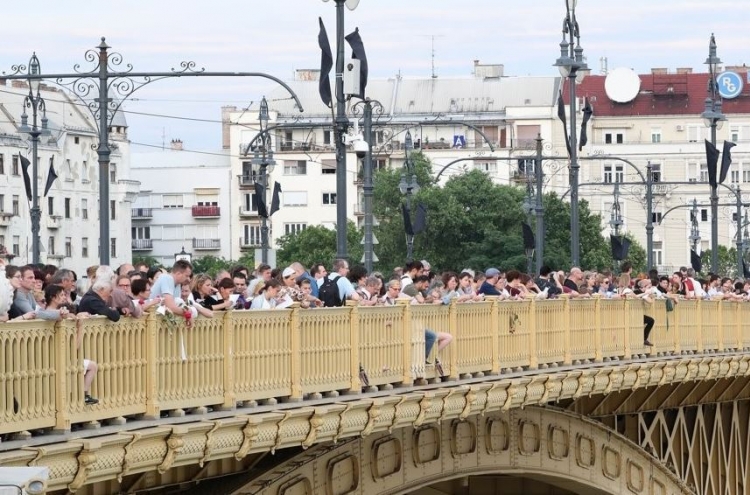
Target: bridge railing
<point>150,365</point>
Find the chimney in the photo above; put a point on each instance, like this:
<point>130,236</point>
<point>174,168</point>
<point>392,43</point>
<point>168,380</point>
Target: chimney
<point>684,70</point>
<point>225,138</point>
<point>738,68</point>
<point>659,71</point>
<point>176,145</point>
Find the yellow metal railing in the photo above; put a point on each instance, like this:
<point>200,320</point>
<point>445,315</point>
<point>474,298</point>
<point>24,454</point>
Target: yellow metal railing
<point>147,366</point>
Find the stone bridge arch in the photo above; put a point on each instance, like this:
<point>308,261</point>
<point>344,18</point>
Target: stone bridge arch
<point>561,448</point>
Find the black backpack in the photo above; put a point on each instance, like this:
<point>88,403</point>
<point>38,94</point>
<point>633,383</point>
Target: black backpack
<point>329,293</point>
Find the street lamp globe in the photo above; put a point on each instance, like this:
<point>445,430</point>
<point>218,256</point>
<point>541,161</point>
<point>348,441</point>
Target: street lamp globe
<point>414,184</point>
<point>564,63</point>
<point>34,70</point>
<point>350,4</point>
<point>402,184</point>
<point>713,61</point>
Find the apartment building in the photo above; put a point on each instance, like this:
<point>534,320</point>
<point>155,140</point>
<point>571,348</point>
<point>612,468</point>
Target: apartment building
<point>70,211</point>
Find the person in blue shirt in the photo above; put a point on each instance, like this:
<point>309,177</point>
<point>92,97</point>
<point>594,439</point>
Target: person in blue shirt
<point>169,286</point>
<point>488,286</point>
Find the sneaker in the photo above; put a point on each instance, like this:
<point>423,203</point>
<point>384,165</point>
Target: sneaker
<point>439,368</point>
<point>90,401</point>
<point>647,343</point>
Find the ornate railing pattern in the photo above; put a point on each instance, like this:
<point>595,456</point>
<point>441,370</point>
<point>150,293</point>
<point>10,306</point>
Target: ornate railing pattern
<point>149,365</point>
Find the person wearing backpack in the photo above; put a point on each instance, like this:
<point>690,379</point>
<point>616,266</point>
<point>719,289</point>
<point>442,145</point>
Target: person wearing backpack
<point>336,288</point>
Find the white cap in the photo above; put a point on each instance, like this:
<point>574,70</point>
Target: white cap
<point>288,272</point>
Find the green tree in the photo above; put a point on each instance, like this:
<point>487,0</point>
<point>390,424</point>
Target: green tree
<point>727,262</point>
<point>211,264</point>
<point>317,244</point>
<point>150,261</point>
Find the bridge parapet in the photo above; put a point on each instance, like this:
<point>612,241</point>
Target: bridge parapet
<point>148,366</point>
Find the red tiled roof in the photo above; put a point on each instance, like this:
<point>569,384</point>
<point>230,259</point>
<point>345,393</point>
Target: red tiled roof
<point>660,94</point>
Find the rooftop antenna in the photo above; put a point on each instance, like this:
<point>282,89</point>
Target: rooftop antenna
<point>432,51</point>
<point>603,66</point>
<point>163,138</point>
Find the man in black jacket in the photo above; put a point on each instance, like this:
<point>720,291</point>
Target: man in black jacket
<point>94,301</point>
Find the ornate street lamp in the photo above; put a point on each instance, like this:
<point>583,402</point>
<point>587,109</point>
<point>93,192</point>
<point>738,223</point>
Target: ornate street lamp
<point>571,65</point>
<point>714,119</point>
<point>408,186</point>
<point>35,102</point>
<point>183,256</point>
<point>263,157</point>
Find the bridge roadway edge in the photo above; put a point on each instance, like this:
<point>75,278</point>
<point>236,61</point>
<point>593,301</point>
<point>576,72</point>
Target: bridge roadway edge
<point>85,457</point>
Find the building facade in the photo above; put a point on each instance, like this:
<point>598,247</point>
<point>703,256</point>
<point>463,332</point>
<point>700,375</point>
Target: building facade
<point>183,204</point>
<point>69,223</point>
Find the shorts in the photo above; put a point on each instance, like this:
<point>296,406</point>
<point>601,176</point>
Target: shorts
<point>86,363</point>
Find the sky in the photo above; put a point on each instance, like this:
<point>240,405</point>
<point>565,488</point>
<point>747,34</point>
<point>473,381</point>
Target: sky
<point>279,36</point>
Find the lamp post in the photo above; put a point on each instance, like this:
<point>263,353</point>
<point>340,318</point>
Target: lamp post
<point>571,65</point>
<point>539,206</point>
<point>363,149</point>
<point>263,157</point>
<point>740,244</point>
<point>35,102</point>
<point>408,185</point>
<point>341,125</point>
<point>615,220</point>
<point>529,208</point>
<point>714,119</point>
<point>695,233</point>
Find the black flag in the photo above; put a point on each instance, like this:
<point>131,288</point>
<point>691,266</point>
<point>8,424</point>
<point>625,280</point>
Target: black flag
<point>420,218</point>
<point>26,178</point>
<point>326,63</point>
<point>620,247</point>
<point>51,176</point>
<point>712,160</point>
<point>745,269</point>
<point>561,116</point>
<point>588,111</point>
<point>358,52</point>
<point>260,201</point>
<point>695,261</point>
<point>726,160</point>
<point>528,236</point>
<point>408,228</point>
<point>275,199</point>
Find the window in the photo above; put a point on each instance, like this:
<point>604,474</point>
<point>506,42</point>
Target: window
<point>614,137</point>
<point>734,134</point>
<point>656,217</point>
<point>734,176</point>
<point>140,232</point>
<point>658,252</point>
<point>380,137</point>
<point>746,176</point>
<point>617,176</point>
<point>252,235</point>
<point>704,173</point>
<point>295,198</point>
<point>172,200</point>
<point>76,139</point>
<point>250,173</point>
<point>380,164</point>
<point>112,172</point>
<point>489,167</point>
<point>734,216</point>
<point>85,172</point>
<point>295,167</point>
<point>85,209</point>
<point>51,246</point>
<point>655,172</point>
<point>2,202</point>
<point>2,240</point>
<point>656,135</point>
<point>50,205</point>
<point>694,133</point>
<point>15,165</point>
<point>68,247</point>
<point>326,137</point>
<point>67,207</point>
<point>328,171</point>
<point>608,174</point>
<point>15,206</point>
<point>329,198</point>
<point>2,164</point>
<point>294,228</point>
<point>525,165</point>
<point>704,215</point>
<point>288,138</point>
<point>112,209</point>
<point>113,247</point>
<point>16,245</point>
<point>250,203</point>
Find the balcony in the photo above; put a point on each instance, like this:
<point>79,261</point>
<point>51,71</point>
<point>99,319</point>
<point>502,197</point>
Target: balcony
<point>5,218</point>
<point>206,244</point>
<point>141,213</point>
<point>53,221</point>
<point>247,243</point>
<point>142,244</point>
<point>244,213</point>
<point>204,211</point>
<point>246,181</point>
<point>359,209</point>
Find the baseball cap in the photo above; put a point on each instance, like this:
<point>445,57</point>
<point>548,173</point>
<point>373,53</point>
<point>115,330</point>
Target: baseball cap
<point>492,272</point>
<point>288,272</point>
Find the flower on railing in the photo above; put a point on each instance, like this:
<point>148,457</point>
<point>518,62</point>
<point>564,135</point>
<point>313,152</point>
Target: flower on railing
<point>189,313</point>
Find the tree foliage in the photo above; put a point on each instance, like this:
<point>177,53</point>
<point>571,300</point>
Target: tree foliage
<point>211,264</point>
<point>727,262</point>
<point>317,244</point>
<point>150,261</point>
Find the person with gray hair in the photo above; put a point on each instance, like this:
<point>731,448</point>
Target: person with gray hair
<point>95,300</point>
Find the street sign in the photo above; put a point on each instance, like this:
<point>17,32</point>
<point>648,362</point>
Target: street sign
<point>374,240</point>
<point>374,258</point>
<point>459,141</point>
<point>730,84</point>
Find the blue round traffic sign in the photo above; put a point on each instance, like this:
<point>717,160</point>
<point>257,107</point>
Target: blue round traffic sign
<point>729,84</point>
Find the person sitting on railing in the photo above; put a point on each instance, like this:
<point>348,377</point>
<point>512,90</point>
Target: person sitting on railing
<point>267,293</point>
<point>443,339</point>
<point>646,292</point>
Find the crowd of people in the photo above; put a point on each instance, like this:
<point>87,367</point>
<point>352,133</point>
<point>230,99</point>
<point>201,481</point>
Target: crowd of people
<point>50,293</point>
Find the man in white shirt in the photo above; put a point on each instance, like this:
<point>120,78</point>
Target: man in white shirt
<point>693,288</point>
